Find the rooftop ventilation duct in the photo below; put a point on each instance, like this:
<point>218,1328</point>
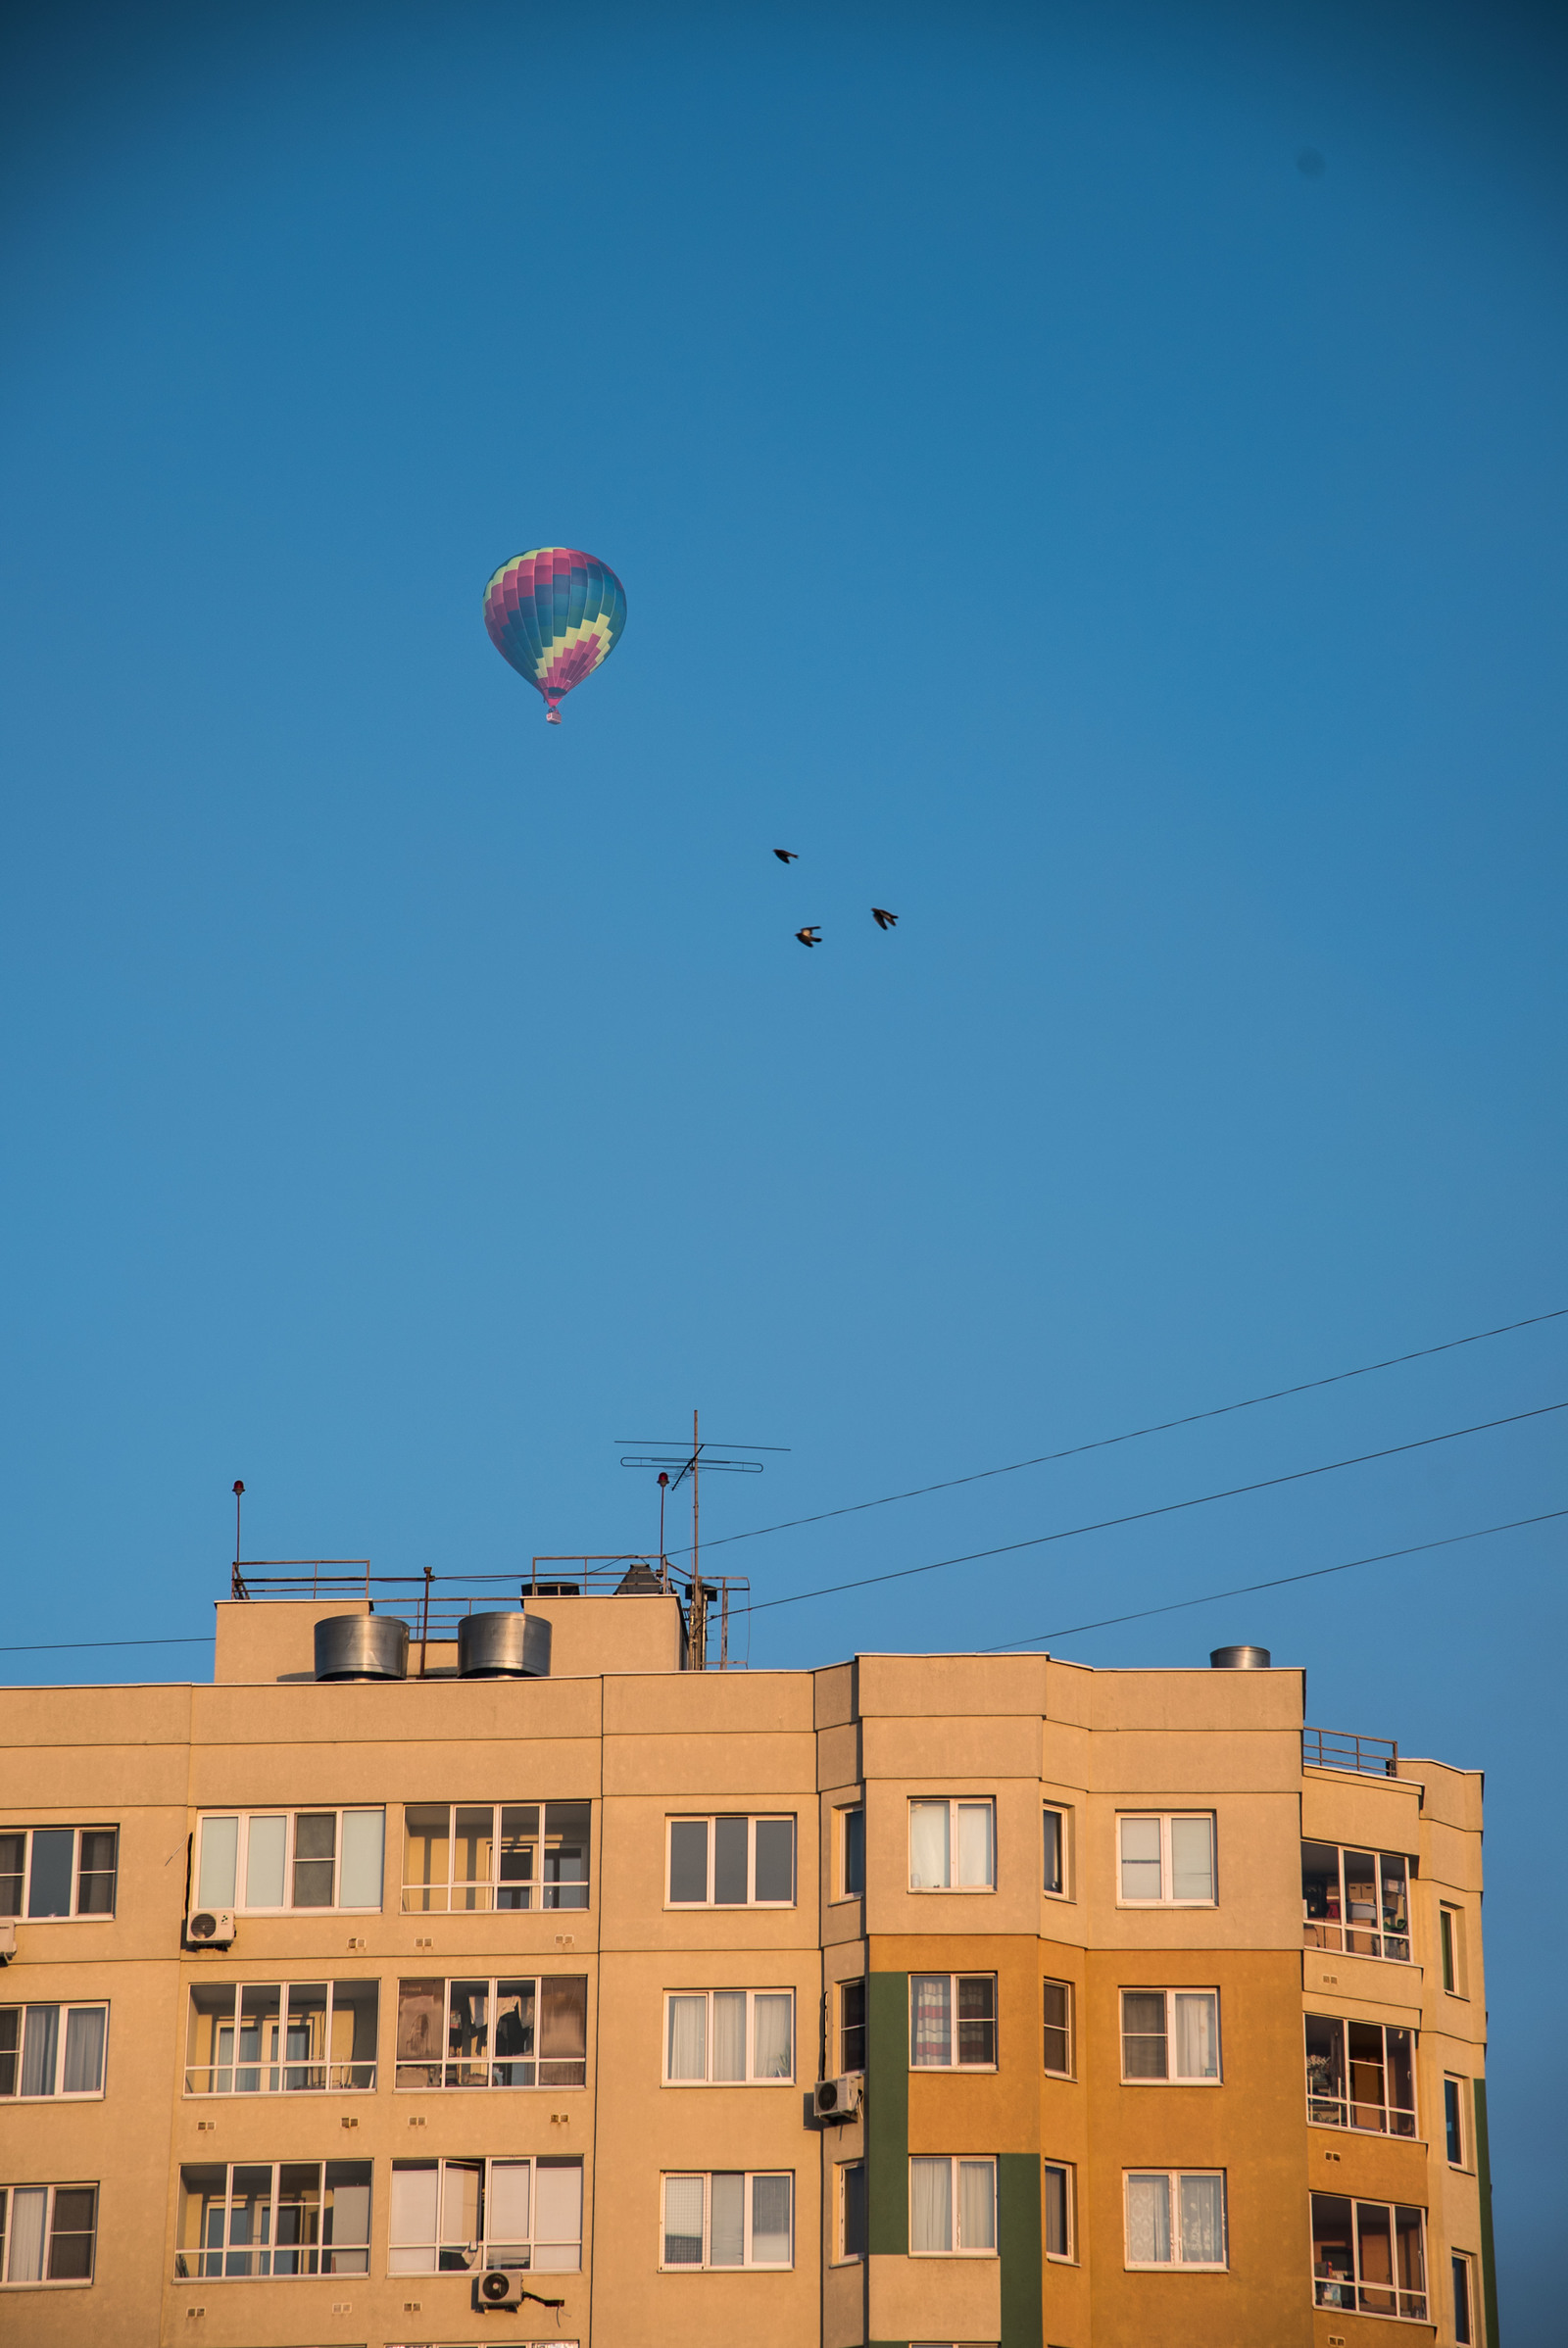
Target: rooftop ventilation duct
<point>503,1646</point>
<point>1238,1659</point>
<point>362,1647</point>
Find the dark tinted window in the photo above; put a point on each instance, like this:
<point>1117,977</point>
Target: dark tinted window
<point>855,2210</point>
<point>730,1836</point>
<point>1058,2026</point>
<point>95,1874</point>
<point>775,1858</point>
<point>851,2018</point>
<point>314,1844</point>
<point>1055,2212</point>
<point>54,1849</point>
<point>853,1853</point>
<point>1053,1842</point>
<point>71,2234</point>
<point>13,1859</point>
<point>688,1859</point>
<point>1451,2119</point>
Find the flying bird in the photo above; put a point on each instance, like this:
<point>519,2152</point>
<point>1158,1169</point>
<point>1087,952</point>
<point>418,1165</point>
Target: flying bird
<point>809,937</point>
<point>883,920</point>
<point>786,855</point>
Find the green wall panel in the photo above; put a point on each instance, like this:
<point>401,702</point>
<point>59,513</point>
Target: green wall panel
<point>887,2113</point>
<point>1488,2255</point>
<point>1019,2241</point>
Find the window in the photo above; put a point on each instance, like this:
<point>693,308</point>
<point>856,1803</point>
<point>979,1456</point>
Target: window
<point>455,2217</point>
<point>731,1862</point>
<point>729,2218</point>
<point>274,2218</point>
<point>1170,2034</point>
<point>1359,2075</point>
<point>851,1844</point>
<point>1369,2257</point>
<point>47,2233</point>
<point>1176,2217</point>
<point>1453,2126</point>
<point>1054,1837</point>
<point>52,2050</point>
<point>58,1870</point>
<point>1058,2209</point>
<point>1358,1901</point>
<point>1059,2029</point>
<point>1166,1860</point>
<point>952,2207</point>
<point>725,2037</point>
<point>853,2231</point>
<point>465,1856</point>
<point>276,2037</point>
<point>265,1861</point>
<point>953,2021</point>
<point>1451,1933</point>
<point>952,1846</point>
<point>1464,2302</point>
<point>852,2026</point>
<point>492,2032</point>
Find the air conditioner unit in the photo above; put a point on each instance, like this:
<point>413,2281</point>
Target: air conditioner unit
<point>210,1928</point>
<point>501,2286</point>
<point>8,1940</point>
<point>836,2100</point>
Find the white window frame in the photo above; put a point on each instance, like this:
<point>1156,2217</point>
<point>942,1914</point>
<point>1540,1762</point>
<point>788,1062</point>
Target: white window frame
<point>282,2062</point>
<point>1351,2103</point>
<point>1354,2283</point>
<point>1175,2265</point>
<point>729,1907</point>
<point>747,2264</point>
<point>541,2256</point>
<point>843,2256</point>
<point>952,1979</point>
<point>953,1804</point>
<point>54,2092</point>
<point>8,2236</point>
<point>442,2060</point>
<point>1062,1816</point>
<point>1462,2262</point>
<point>842,1817</point>
<point>1451,1947</point>
<point>1172,2079</point>
<point>200,2252</point>
<point>74,1914</point>
<point>1314,1929</point>
<point>1052,1981</point>
<point>753,2077</point>
<point>518,1895</point>
<point>860,1982</point>
<point>956,2161</point>
<point>244,1821</point>
<point>1168,1875</point>
<point>1069,2173</point>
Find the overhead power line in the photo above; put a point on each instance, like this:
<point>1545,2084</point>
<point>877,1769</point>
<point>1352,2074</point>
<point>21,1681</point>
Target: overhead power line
<point>1245,1588</point>
<point>60,1647</point>
<point>1105,1443</point>
<point>1138,1516</point>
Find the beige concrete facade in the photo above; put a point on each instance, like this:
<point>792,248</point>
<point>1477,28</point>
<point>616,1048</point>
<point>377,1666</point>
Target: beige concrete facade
<point>622,1728</point>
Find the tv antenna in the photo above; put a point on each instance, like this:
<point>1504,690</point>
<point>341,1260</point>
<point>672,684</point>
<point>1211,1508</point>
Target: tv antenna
<point>239,1494</point>
<point>672,1455</point>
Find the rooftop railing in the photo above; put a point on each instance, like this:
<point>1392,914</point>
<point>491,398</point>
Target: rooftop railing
<point>1341,1748</point>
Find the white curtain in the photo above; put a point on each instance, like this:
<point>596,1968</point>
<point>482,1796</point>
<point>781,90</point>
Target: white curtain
<point>84,2050</point>
<point>976,1867</point>
<point>40,2045</point>
<point>930,2021</point>
<point>930,2203</point>
<point>729,2034</point>
<point>1196,2036</point>
<point>1202,2221</point>
<point>1149,2221</point>
<point>771,2220</point>
<point>28,2207</point>
<point>929,1846</point>
<point>683,2221</point>
<point>1191,1858</point>
<point>727,2218</point>
<point>977,2205</point>
<point>688,2037</point>
<point>215,1877</point>
<point>263,1862</point>
<point>505,2209</point>
<point>413,2218</point>
<point>363,1859</point>
<point>1139,1858</point>
<point>773,2026</point>
<point>558,2216</point>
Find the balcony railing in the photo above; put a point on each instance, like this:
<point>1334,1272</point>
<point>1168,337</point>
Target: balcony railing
<point>1341,1748</point>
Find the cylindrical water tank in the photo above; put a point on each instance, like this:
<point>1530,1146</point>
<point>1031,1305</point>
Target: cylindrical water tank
<point>362,1647</point>
<point>503,1646</point>
<point>1238,1659</point>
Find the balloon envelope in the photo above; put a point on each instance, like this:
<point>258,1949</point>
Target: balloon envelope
<point>555,613</point>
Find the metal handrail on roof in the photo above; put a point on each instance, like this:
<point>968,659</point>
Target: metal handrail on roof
<point>1344,1748</point>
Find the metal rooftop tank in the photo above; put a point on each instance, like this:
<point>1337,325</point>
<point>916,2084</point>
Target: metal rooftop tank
<point>503,1647</point>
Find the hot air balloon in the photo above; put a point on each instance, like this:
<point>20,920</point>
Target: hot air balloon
<point>555,613</point>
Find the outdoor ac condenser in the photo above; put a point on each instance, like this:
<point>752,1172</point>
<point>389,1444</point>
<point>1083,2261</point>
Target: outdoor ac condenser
<point>835,2099</point>
<point>210,1928</point>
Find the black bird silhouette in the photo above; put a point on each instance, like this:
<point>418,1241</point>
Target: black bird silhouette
<point>786,855</point>
<point>809,937</point>
<point>884,921</point>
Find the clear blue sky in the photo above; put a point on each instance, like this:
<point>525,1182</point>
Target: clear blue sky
<point>1137,561</point>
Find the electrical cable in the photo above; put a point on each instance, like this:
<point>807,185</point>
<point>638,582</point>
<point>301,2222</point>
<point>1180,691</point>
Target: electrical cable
<point>1138,1516</point>
<point>1193,1418</point>
<point>60,1647</point>
<point>1245,1588</point>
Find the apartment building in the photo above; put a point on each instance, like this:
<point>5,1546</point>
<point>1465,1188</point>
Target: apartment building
<point>333,2005</point>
